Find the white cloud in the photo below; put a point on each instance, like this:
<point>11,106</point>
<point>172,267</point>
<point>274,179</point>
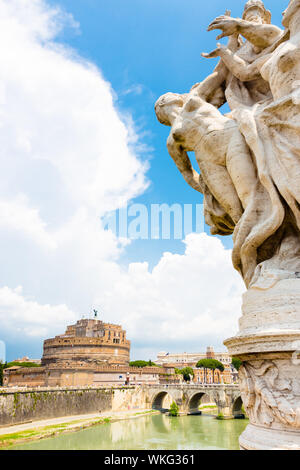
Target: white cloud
<point>68,156</point>
<point>191,299</point>
<point>136,89</point>
<point>21,317</point>
<point>57,108</point>
<point>16,215</point>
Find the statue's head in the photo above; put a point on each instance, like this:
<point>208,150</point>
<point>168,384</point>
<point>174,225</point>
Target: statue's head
<point>168,106</point>
<point>256,12</point>
<point>288,14</point>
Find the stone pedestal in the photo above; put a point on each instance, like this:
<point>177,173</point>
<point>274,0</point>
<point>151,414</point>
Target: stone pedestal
<point>268,343</point>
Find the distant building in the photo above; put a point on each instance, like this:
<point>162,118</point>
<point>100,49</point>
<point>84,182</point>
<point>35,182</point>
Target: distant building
<point>190,359</point>
<point>181,360</point>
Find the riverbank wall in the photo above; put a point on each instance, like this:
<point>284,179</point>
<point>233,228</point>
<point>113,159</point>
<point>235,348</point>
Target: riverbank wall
<point>24,405</point>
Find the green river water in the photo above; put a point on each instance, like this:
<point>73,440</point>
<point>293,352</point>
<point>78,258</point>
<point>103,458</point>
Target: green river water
<point>158,432</point>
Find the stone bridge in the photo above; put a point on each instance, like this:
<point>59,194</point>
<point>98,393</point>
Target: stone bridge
<point>189,397</point>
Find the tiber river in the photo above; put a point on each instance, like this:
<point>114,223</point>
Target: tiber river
<point>158,432</point>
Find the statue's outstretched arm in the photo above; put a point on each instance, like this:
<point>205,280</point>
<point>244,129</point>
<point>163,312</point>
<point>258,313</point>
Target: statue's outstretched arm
<point>237,66</point>
<point>183,163</point>
<point>260,35</point>
<point>217,79</point>
<point>210,85</point>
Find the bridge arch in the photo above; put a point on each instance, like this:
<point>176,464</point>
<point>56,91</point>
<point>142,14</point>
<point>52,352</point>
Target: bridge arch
<point>237,408</point>
<point>162,401</point>
<point>196,399</point>
<point>194,403</point>
<point>189,397</point>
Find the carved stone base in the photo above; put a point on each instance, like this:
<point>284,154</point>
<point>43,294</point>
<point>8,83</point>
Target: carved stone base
<point>269,346</point>
<point>258,438</point>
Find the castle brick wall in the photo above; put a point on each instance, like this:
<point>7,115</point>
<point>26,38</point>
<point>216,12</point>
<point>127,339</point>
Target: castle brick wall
<point>81,374</point>
<point>35,376</point>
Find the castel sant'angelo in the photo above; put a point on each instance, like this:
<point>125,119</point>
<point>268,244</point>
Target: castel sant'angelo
<point>89,353</point>
<point>90,342</point>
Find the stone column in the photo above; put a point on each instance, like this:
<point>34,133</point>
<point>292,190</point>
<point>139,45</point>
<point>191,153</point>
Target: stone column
<point>268,343</point>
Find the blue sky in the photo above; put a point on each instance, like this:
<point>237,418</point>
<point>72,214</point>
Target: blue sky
<point>67,159</point>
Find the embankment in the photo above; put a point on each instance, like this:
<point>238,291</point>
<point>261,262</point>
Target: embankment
<point>23,405</point>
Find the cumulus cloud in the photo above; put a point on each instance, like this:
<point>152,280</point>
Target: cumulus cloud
<point>67,157</point>
<point>58,115</point>
<point>21,316</point>
<point>17,216</point>
<point>189,301</point>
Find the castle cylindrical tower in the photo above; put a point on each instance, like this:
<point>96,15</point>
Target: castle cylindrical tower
<point>88,341</point>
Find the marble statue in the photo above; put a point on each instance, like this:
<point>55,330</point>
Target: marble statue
<point>249,174</point>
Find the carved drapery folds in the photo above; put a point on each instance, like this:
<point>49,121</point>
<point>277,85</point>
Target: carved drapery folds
<point>269,398</point>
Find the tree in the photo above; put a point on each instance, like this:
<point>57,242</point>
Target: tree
<point>138,363</point>
<point>236,362</point>
<point>152,364</point>
<point>142,364</point>
<point>174,409</point>
<point>218,366</point>
<point>186,372</point>
<point>20,364</point>
<point>202,365</point>
<point>210,364</point>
